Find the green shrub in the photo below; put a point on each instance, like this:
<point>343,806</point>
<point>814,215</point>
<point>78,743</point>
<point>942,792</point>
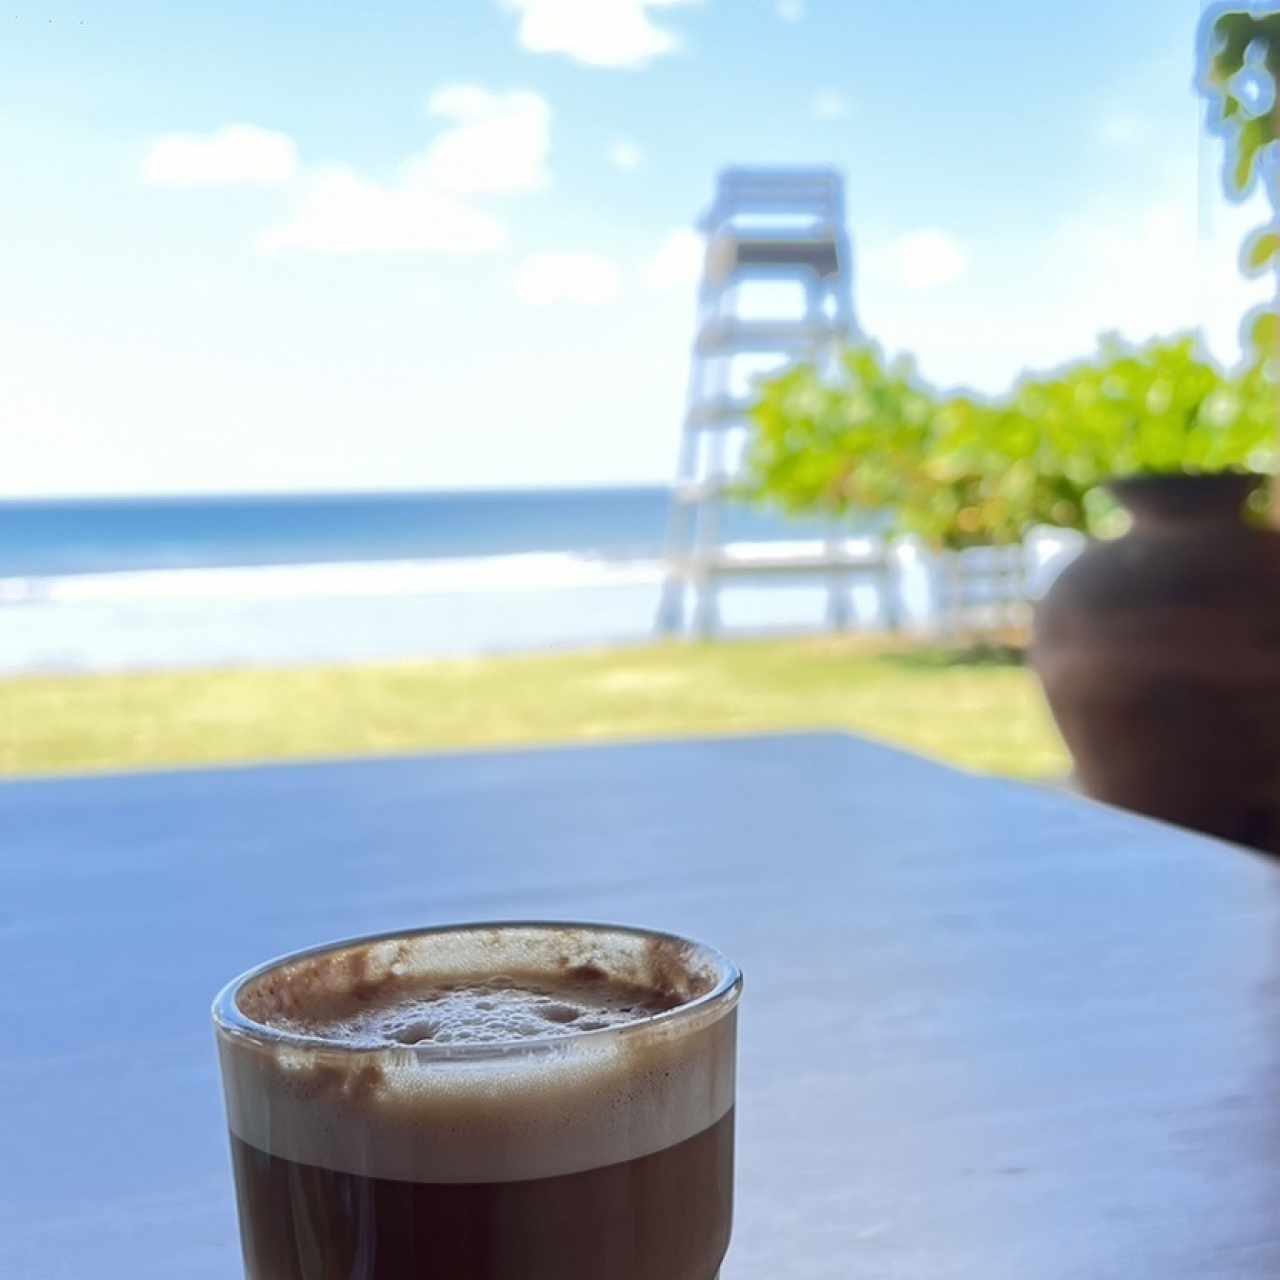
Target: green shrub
<point>960,471</point>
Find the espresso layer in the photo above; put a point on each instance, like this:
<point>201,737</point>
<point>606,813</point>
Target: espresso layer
<point>665,1216</point>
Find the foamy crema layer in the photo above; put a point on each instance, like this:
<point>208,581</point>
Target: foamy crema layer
<point>487,1113</point>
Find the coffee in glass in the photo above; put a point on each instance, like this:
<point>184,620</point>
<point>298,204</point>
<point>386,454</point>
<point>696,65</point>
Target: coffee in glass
<point>484,1102</point>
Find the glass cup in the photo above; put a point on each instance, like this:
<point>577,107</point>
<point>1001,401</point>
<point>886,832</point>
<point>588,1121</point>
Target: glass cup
<point>593,1152</point>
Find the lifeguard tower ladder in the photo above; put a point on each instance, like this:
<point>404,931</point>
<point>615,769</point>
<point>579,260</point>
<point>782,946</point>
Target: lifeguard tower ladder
<point>775,226</point>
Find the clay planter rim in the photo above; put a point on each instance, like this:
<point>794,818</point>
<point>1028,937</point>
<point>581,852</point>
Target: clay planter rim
<point>1182,493</point>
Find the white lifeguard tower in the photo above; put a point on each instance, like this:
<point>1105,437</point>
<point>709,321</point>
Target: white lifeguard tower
<point>771,227</point>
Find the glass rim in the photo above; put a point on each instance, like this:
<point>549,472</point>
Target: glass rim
<point>231,1021</point>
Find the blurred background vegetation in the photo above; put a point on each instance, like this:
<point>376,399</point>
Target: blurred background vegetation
<point>959,470</point>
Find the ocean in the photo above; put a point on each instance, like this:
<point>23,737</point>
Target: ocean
<point>154,583</point>
<point>42,538</point>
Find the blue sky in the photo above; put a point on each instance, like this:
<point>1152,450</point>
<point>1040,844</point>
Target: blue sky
<point>447,243</point>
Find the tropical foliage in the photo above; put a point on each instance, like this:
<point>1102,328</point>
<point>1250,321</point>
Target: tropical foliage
<point>1240,74</point>
<point>960,470</point>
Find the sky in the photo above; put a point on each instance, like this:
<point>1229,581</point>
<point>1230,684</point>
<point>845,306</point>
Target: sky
<point>448,243</point>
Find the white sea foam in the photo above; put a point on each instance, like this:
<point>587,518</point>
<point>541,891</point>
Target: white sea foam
<point>523,571</point>
<point>528,571</point>
<point>407,609</point>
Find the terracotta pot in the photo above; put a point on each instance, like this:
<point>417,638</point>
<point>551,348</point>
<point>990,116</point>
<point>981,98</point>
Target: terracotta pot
<point>1160,656</point>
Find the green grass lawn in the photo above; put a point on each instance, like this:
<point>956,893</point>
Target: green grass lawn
<point>983,714</point>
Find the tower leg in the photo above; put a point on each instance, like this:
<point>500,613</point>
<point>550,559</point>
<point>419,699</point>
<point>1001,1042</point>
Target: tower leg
<point>942,595</point>
<point>839,602</point>
<point>890,594</point>
<point>671,607</point>
<point>706,609</point>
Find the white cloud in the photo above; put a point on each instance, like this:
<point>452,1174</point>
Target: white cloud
<point>493,144</point>
<point>600,33</point>
<point>343,212</point>
<point>1140,268</point>
<point>829,104</point>
<point>496,143</point>
<point>625,155</point>
<point>677,264</point>
<point>790,10</point>
<point>235,155</point>
<point>587,279</point>
<point>927,259</point>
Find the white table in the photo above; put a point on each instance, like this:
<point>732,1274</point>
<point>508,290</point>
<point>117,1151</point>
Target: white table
<point>989,1031</point>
